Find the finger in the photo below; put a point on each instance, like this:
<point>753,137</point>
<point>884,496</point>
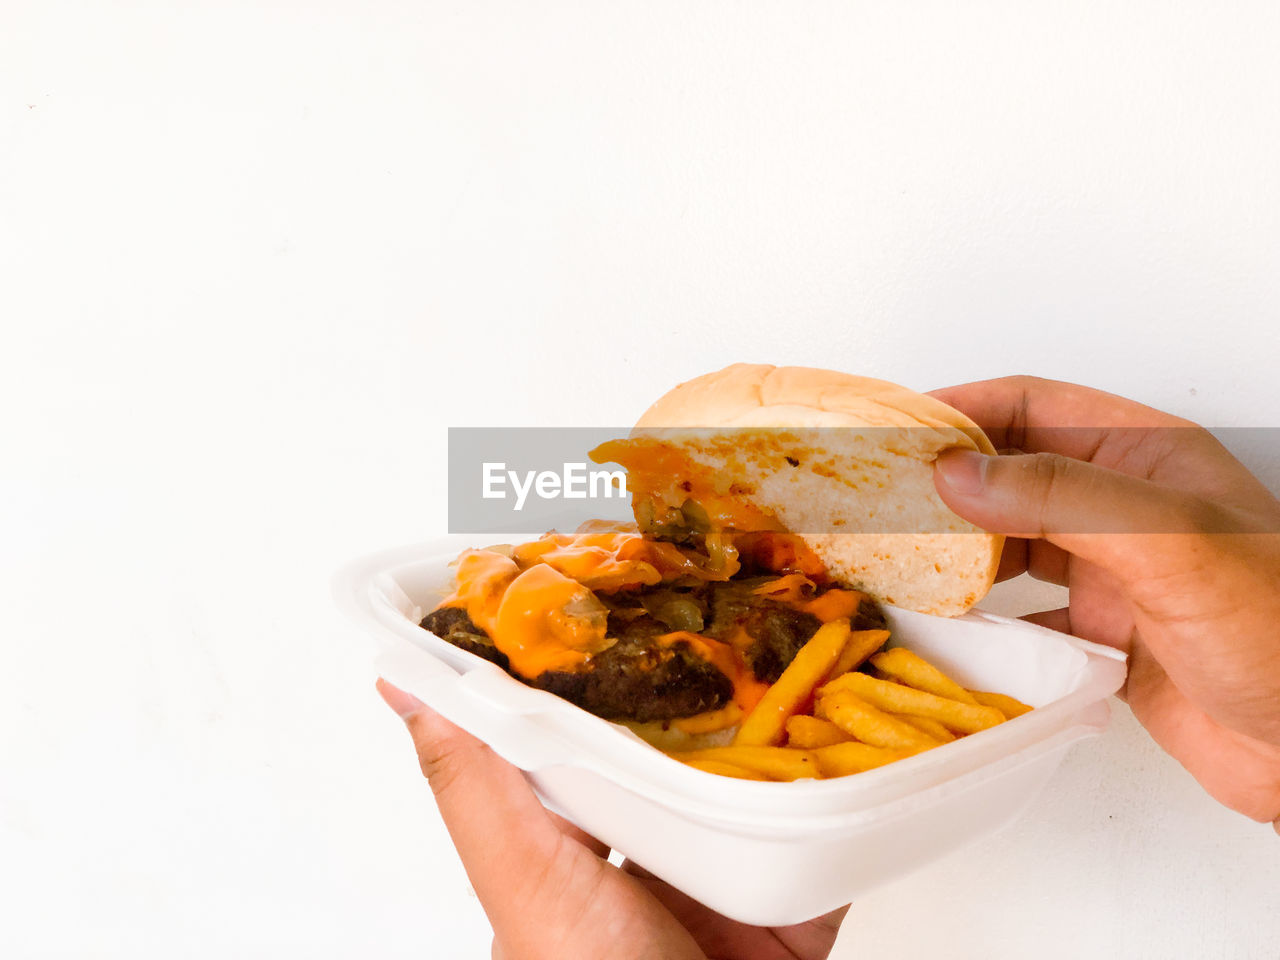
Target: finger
<point>1013,559</point>
<point>720,937</point>
<point>1046,416</point>
<point>503,834</point>
<point>1039,558</point>
<point>578,835</point>
<point>1036,415</point>
<point>633,868</point>
<point>406,705</point>
<point>1048,562</point>
<point>1071,503</point>
<point>1059,619</point>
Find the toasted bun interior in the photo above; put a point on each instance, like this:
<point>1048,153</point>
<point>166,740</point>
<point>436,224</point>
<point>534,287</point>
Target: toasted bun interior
<point>862,497</point>
<point>670,738</point>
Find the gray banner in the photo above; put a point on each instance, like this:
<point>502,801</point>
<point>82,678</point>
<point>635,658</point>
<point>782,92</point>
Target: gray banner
<point>532,479</point>
<point>523,480</point>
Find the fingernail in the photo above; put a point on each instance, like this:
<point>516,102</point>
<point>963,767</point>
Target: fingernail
<point>404,704</point>
<point>964,471</point>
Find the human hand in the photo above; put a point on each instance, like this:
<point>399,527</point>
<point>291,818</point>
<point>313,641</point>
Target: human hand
<point>548,888</point>
<point>1170,549</point>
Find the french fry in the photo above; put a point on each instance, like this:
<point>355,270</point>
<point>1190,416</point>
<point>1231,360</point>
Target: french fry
<point>765,725</point>
<point>861,644</point>
<point>725,769</point>
<point>932,727</point>
<point>896,698</point>
<point>1005,704</point>
<point>776,763</point>
<point>843,759</point>
<point>711,721</point>
<point>864,722</point>
<point>913,670</point>
<point>808,732</point>
<point>837,721</point>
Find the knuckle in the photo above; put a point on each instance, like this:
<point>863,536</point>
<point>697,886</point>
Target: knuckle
<point>1025,381</point>
<point>1047,468</point>
<point>1045,474</point>
<point>1026,387</point>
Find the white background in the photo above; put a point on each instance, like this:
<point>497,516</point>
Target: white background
<point>256,257</point>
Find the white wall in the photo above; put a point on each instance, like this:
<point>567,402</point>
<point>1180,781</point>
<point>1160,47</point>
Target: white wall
<point>255,258</point>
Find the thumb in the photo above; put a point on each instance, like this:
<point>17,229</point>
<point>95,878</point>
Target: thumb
<point>505,837</point>
<point>1100,515</point>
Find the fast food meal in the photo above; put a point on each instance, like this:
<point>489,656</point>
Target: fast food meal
<point>737,623</point>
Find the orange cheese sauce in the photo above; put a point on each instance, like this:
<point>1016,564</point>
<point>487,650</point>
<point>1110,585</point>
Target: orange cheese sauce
<point>483,577</point>
<point>660,473</point>
<point>797,590</point>
<point>662,477</point>
<point>607,560</point>
<point>540,618</point>
<point>833,605</point>
<point>790,588</point>
<point>539,606</point>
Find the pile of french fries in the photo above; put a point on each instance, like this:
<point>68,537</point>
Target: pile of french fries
<point>826,718</point>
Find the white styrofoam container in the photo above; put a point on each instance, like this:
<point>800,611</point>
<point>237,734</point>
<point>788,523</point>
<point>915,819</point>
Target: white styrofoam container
<point>761,853</point>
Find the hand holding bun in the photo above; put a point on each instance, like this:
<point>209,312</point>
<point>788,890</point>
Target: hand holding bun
<point>1171,550</point>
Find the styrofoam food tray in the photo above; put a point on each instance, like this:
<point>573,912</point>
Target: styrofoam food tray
<point>761,853</point>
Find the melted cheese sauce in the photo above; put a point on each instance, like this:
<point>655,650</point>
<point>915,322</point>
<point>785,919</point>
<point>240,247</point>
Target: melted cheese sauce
<point>539,604</point>
<point>664,477</point>
<point>540,618</point>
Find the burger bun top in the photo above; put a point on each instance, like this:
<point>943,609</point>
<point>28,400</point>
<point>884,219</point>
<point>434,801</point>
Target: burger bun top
<point>852,474</point>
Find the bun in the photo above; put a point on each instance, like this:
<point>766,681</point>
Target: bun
<point>872,480</point>
<point>670,739</point>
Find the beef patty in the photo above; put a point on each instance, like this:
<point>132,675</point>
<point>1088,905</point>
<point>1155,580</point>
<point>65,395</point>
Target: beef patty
<point>634,679</point>
<point>640,679</point>
<point>777,629</point>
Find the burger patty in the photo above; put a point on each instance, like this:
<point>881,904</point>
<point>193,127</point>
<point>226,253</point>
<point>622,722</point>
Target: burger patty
<point>453,624</point>
<point>635,679</point>
<point>640,679</point>
<point>777,629</point>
